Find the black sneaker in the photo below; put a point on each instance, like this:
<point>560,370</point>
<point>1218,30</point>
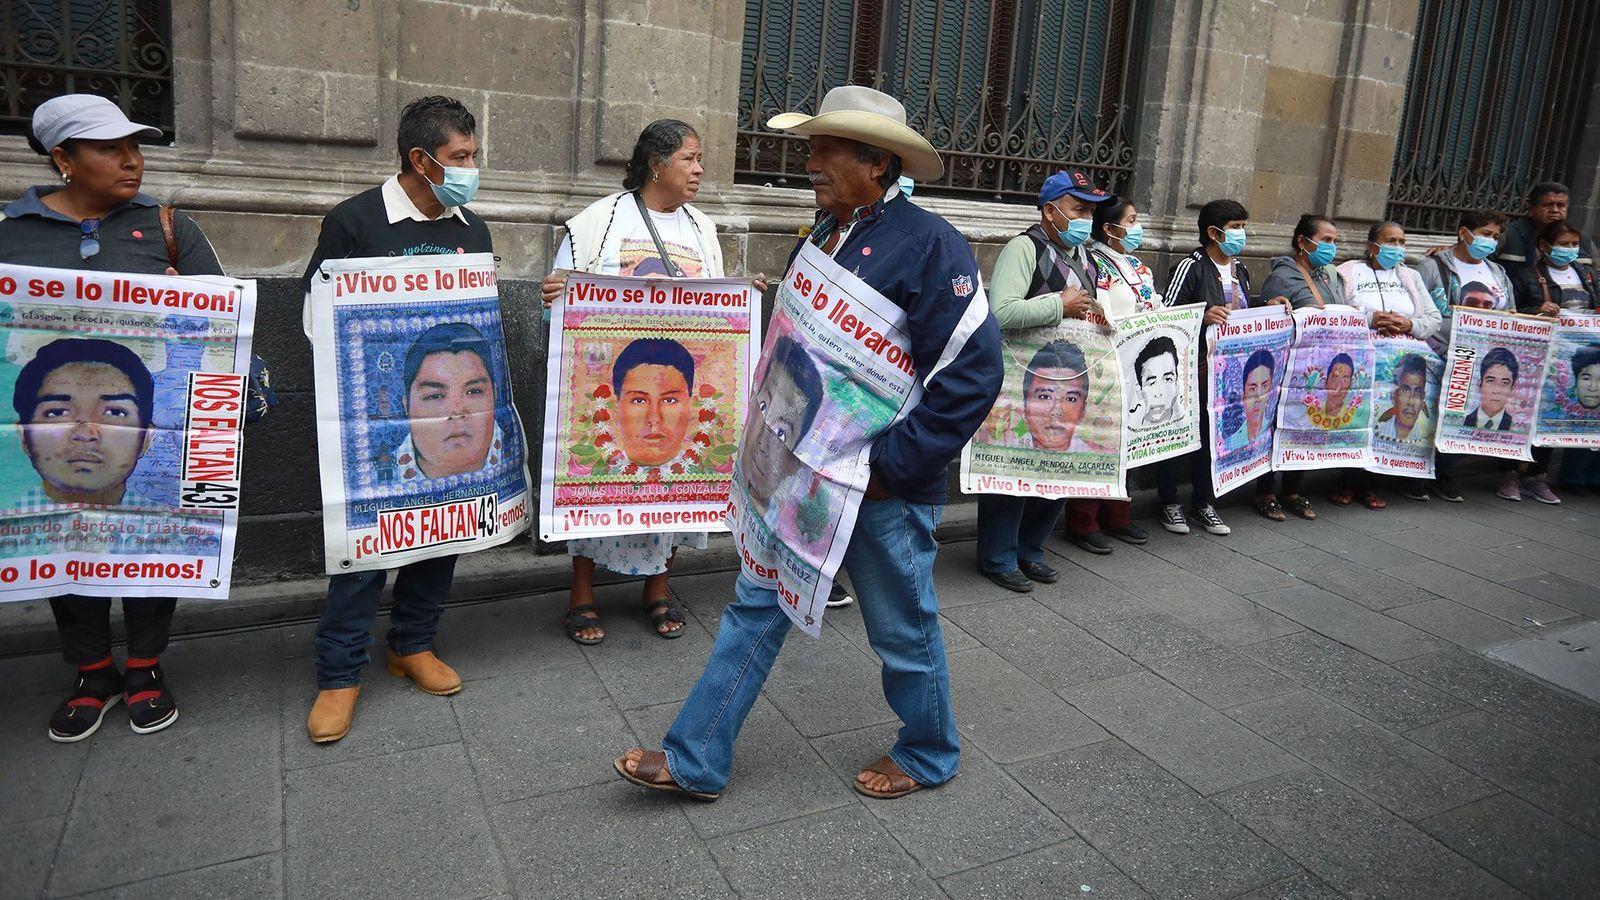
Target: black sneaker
<point>838,596</point>
<point>151,706</point>
<point>1038,571</point>
<point>1011,580</point>
<point>1446,489</point>
<point>80,715</point>
<point>1132,534</point>
<point>1172,518</point>
<point>1210,521</point>
<point>1415,490</point>
<point>1095,542</point>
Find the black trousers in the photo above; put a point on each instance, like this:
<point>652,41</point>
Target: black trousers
<point>84,624</point>
<point>1542,457</point>
<point>1266,485</point>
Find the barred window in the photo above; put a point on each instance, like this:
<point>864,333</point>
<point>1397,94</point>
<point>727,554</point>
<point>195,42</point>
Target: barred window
<point>115,48</point>
<point>1495,103</point>
<point>1009,91</point>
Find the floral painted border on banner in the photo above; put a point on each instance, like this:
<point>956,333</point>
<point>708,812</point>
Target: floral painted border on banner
<point>1569,399</point>
<point>1326,403</point>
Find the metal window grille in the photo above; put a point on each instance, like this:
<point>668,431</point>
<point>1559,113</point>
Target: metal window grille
<point>1009,91</point>
<point>1494,104</point>
<point>119,49</point>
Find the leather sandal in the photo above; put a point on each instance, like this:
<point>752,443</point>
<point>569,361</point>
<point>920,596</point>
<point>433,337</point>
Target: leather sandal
<point>1300,506</point>
<point>1373,501</point>
<point>665,610</point>
<point>575,621</point>
<point>650,770</point>
<point>1341,498</point>
<point>1269,508</point>
<point>887,766</point>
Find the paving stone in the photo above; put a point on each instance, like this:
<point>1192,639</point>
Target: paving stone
<point>1520,844</point>
<point>1152,636</point>
<point>1487,597</point>
<point>30,848</point>
<point>1401,776</point>
<point>1188,599</point>
<point>1350,580</point>
<point>1085,598</point>
<point>208,800</point>
<point>391,715</point>
<point>40,775</point>
<point>260,876</point>
<point>1009,716</point>
<point>1223,567</point>
<point>1357,681</point>
<point>39,673</point>
<point>1457,624</point>
<point>1035,640</point>
<point>1457,537</point>
<point>593,850</point>
<point>641,669</point>
<point>776,774</point>
<point>1256,626</point>
<point>1206,749</point>
<point>958,582</point>
<point>1551,559</point>
<point>1168,839</point>
<point>1562,783</point>
<point>1350,843</point>
<point>843,853</point>
<point>1222,678</point>
<point>828,685</point>
<point>517,635</point>
<point>1512,697</point>
<point>232,681</point>
<point>1578,596</point>
<point>1065,869</point>
<point>1348,622</point>
<point>1124,562</point>
<point>1257,538</point>
<point>540,732</point>
<point>977,818</point>
<point>1466,556</point>
<point>1300,887</point>
<point>411,824</point>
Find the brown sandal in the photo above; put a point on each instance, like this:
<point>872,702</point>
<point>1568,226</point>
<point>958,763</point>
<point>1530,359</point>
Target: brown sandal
<point>886,766</point>
<point>1269,508</point>
<point>1341,498</point>
<point>648,772</point>
<point>1373,501</point>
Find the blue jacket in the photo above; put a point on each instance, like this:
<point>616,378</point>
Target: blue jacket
<point>921,263</point>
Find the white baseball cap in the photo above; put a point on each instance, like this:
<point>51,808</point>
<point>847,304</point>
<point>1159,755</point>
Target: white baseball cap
<point>85,116</point>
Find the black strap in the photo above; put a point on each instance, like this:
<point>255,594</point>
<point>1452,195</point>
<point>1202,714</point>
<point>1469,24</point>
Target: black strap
<point>672,267</point>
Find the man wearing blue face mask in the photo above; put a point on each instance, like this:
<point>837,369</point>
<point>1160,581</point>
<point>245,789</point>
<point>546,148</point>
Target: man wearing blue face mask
<point>1043,275</point>
<point>419,211</point>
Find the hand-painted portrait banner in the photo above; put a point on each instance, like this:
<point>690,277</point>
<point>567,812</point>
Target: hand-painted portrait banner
<point>1569,400</point>
<point>1405,403</point>
<point>1158,352</point>
<point>121,444</point>
<point>421,450</point>
<point>1325,412</point>
<point>1246,367</point>
<point>835,372</point>
<point>1491,383</point>
<point>1056,429</point>
<point>646,394</point>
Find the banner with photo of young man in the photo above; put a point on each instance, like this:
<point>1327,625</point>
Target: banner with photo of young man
<point>1405,403</point>
<point>1493,369</point>
<point>1247,362</point>
<point>1324,416</point>
<point>123,432</point>
<point>421,452</point>
<point>1158,350</point>
<point>644,401</point>
<point>835,372</point>
<point>1569,399</point>
<point>1056,429</point>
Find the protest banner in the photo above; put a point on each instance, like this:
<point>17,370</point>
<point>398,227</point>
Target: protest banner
<point>1491,383</point>
<point>1325,412</point>
<point>1569,398</point>
<point>835,372</point>
<point>1056,429</point>
<point>1245,370</point>
<point>123,434</point>
<point>1405,403</point>
<point>646,394</point>
<point>1158,352</point>
<point>421,452</point>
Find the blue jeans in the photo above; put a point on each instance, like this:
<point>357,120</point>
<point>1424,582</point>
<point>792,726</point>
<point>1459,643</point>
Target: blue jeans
<point>1013,529</point>
<point>890,562</point>
<point>345,632</point>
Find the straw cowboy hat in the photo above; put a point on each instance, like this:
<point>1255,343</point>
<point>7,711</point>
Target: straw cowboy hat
<point>873,118</point>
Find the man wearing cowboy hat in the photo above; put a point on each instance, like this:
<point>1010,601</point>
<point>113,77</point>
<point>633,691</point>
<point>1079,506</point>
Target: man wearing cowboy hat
<point>860,145</point>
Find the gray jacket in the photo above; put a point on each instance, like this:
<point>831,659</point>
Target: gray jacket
<point>1443,281</point>
<point>1286,280</point>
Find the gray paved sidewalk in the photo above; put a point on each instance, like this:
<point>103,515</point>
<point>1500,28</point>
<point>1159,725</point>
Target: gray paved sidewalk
<point>1302,710</point>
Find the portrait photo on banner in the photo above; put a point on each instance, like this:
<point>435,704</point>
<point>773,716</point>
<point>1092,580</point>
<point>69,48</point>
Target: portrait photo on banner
<point>1248,363</point>
<point>1493,369</point>
<point>1569,400</point>
<point>1405,403</point>
<point>1157,351</point>
<point>1324,417</point>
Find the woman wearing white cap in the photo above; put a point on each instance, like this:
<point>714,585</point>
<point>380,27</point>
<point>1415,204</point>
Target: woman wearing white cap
<point>97,219</point>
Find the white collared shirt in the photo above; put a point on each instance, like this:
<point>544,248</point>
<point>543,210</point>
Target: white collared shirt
<point>398,207</point>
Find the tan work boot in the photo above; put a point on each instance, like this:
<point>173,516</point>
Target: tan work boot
<point>426,671</point>
<point>331,714</point>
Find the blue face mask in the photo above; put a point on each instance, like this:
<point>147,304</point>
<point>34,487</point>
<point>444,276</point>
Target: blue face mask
<point>1324,254</point>
<point>1232,243</point>
<point>1481,247</point>
<point>460,184</point>
<point>1077,231</point>
<point>1390,255</point>
<point>1563,256</point>
<point>1132,237</point>
<point>907,186</point>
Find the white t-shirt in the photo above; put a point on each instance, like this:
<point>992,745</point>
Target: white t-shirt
<point>1567,277</point>
<point>628,249</point>
<point>1379,290</point>
<point>1230,285</point>
<point>1480,272</point>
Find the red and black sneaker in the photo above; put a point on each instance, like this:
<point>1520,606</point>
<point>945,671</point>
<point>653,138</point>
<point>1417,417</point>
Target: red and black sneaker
<point>98,689</point>
<point>151,706</point>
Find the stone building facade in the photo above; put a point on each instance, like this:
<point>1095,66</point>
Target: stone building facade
<point>284,108</point>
